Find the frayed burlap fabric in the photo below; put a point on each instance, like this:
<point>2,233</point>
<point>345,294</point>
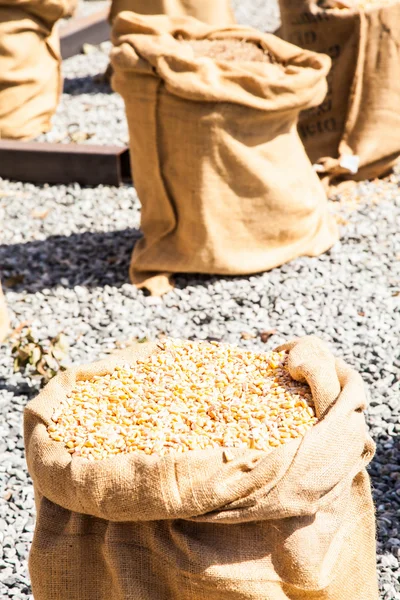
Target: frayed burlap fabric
<point>223,178</point>
<point>353,134</point>
<point>213,12</point>
<point>30,78</point>
<point>296,523</point>
<point>4,321</point>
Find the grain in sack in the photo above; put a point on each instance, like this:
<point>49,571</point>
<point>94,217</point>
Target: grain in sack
<point>222,176</point>
<point>213,12</point>
<point>186,396</point>
<point>217,502</point>
<point>352,134</point>
<point>30,65</point>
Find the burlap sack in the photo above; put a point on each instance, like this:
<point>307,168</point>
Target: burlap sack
<point>213,12</point>
<point>353,134</point>
<point>30,78</point>
<point>224,182</point>
<point>4,321</point>
<point>296,523</point>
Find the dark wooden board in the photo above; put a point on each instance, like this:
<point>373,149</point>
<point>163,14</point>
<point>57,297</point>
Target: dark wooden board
<point>64,163</point>
<point>92,29</point>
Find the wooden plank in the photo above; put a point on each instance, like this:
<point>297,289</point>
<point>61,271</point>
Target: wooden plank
<point>92,29</point>
<point>67,163</point>
<point>64,163</point>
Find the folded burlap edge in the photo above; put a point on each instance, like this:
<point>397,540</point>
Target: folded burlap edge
<point>148,44</point>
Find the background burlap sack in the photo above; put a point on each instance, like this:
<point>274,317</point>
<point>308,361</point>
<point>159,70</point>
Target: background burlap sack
<point>4,321</point>
<point>296,523</point>
<point>30,78</point>
<point>360,116</point>
<point>213,12</point>
<point>221,173</point>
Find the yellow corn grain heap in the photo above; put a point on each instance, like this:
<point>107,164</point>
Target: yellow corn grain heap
<point>186,396</point>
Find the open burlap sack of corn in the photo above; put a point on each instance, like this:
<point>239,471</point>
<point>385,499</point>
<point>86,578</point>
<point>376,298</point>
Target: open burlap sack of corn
<point>30,77</point>
<point>223,178</point>
<point>4,322</point>
<point>213,12</point>
<point>353,133</point>
<point>296,522</point>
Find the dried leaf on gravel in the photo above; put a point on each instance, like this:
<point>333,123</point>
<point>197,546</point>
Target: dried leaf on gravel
<point>80,136</point>
<point>120,344</point>
<point>245,335</point>
<point>265,335</point>
<point>38,357</point>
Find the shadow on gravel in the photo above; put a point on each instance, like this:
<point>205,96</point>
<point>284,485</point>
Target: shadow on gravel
<point>86,259</point>
<point>385,478</point>
<point>20,389</point>
<point>74,86</point>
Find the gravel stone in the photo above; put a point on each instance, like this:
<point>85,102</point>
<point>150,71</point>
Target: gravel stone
<point>68,271</point>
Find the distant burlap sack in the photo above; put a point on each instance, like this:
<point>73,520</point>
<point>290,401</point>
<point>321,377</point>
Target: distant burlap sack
<point>213,12</point>
<point>4,322</point>
<point>30,78</point>
<point>225,185</point>
<point>353,134</point>
<point>296,523</point>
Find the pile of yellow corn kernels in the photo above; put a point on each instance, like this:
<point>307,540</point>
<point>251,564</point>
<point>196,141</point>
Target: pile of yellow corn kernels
<point>186,396</point>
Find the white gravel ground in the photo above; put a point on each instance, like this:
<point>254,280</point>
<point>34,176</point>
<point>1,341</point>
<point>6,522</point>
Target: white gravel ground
<point>70,249</point>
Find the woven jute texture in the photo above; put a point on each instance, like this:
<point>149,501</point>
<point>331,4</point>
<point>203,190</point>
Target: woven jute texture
<point>30,78</point>
<point>353,133</point>
<point>213,12</point>
<point>4,321</point>
<point>223,178</point>
<point>296,523</point>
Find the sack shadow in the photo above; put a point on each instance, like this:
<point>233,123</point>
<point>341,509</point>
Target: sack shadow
<point>92,259</point>
<point>89,259</point>
<point>89,84</point>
